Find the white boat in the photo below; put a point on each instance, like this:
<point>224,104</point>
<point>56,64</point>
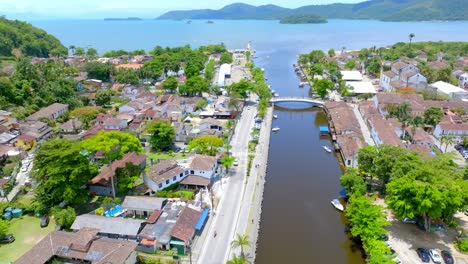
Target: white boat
<point>336,203</point>
<point>275,129</point>
<point>326,149</point>
<point>275,116</point>
<point>276,95</point>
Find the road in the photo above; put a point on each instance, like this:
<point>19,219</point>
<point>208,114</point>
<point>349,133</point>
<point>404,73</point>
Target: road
<point>215,249</point>
<point>20,179</point>
<point>365,130</point>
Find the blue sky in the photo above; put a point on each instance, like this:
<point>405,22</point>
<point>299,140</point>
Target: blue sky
<point>40,9</point>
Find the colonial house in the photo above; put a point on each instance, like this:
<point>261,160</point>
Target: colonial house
<point>383,100</point>
<point>133,106</point>
<point>101,118</point>
<point>402,75</point>
<point>184,230</point>
<point>198,173</point>
<point>72,126</point>
<point>109,227</point>
<point>452,129</point>
<point>420,137</point>
<point>52,112</point>
<point>211,123</point>
<point>83,246</point>
<point>39,130</point>
<point>349,146</point>
<point>102,184</point>
<point>463,80</point>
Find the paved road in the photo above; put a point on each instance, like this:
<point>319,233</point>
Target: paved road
<point>20,179</point>
<point>365,130</point>
<point>214,249</point>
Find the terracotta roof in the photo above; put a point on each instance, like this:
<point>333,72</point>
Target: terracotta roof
<point>397,84</point>
<point>102,117</point>
<point>350,144</point>
<point>385,131</point>
<point>70,246</point>
<point>26,138</point>
<point>203,162</point>
<point>185,225</point>
<point>129,66</point>
<point>416,101</point>
<point>454,126</point>
<point>399,65</point>
<point>113,122</point>
<point>389,74</point>
<point>154,217</point>
<point>408,74</point>
<point>164,170</point>
<point>420,135</point>
<point>195,180</point>
<point>343,117</point>
<point>211,121</point>
<point>92,131</point>
<point>103,178</point>
<point>71,125</point>
<point>47,111</point>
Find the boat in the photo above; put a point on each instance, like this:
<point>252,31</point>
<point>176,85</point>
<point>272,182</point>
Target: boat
<point>327,149</point>
<point>336,203</point>
<point>275,129</point>
<point>275,116</point>
<point>276,95</point>
<point>301,84</point>
<point>209,22</point>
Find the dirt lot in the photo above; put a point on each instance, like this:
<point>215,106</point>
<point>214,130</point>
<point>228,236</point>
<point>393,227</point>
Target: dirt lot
<point>406,238</point>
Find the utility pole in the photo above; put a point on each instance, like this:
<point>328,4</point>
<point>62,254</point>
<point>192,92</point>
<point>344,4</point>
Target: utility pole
<point>112,174</point>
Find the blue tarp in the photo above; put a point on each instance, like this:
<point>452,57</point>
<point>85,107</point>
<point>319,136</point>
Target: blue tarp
<point>343,193</point>
<point>202,220</point>
<point>324,129</point>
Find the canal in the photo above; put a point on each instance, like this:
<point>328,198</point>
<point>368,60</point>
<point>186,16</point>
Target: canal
<point>298,223</point>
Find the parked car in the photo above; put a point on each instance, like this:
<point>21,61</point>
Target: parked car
<point>45,221</point>
<point>408,220</point>
<point>423,254</point>
<point>435,256</point>
<point>447,257</point>
<point>236,163</point>
<point>7,239</point>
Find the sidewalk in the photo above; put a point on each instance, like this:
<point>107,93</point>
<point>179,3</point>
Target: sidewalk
<point>365,130</point>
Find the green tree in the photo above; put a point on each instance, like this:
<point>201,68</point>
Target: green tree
<point>433,115</point>
<point>226,57</point>
<point>64,217</point>
<point>162,135</point>
<point>91,53</point>
<point>4,226</point>
<point>445,74</point>
<point>61,171</point>
<point>195,85</point>
<point>403,113</point>
<point>154,68</point>
<point>86,114</point>
<point>353,182</point>
<point>127,177</point>
<point>97,70</point>
<point>316,56</point>
<point>241,241</point>
<point>322,86</point>
<point>447,140</point>
<point>316,69</point>
<point>127,76</point>
<point>206,145</point>
<point>107,141</point>
<point>170,84</point>
<point>242,88</point>
<point>79,51</point>
<point>331,53</point>
<point>227,162</point>
<point>103,97</point>
<point>209,70</point>
<point>373,66</point>
<point>350,64</point>
<point>237,260</point>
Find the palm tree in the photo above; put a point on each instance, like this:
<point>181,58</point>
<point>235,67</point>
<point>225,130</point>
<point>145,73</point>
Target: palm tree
<point>241,241</point>
<point>237,260</point>
<point>448,140</point>
<point>411,36</point>
<point>403,114</point>
<point>415,123</point>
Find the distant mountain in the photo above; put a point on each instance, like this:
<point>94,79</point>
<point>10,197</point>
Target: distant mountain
<point>385,10</point>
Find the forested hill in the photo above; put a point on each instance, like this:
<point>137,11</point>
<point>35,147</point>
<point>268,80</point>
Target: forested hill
<point>31,40</point>
<point>385,10</point>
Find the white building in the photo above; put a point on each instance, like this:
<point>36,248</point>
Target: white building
<point>224,72</point>
<point>452,91</point>
<point>463,81</point>
<point>351,76</point>
<point>361,88</point>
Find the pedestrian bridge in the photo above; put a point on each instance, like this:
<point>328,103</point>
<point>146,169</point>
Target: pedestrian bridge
<point>309,100</point>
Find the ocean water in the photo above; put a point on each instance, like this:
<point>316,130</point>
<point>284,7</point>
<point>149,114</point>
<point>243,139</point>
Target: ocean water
<point>265,36</point>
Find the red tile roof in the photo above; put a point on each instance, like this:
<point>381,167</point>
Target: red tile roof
<point>154,217</point>
<point>103,178</point>
<point>185,225</point>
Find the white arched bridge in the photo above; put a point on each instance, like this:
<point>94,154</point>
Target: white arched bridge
<point>309,100</point>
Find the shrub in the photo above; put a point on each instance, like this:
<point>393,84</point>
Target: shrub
<point>462,245</point>
<point>64,217</point>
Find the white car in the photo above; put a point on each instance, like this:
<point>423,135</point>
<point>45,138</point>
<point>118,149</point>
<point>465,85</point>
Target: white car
<point>435,256</point>
<point>24,169</point>
<point>236,163</point>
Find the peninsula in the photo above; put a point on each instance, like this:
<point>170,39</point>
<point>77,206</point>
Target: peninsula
<point>122,19</point>
<point>384,10</point>
<point>303,19</point>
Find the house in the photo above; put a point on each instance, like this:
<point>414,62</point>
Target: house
<point>25,142</point>
<point>72,126</point>
<point>102,184</point>
<point>383,132</point>
<point>196,174</point>
<point>184,230</point>
<point>133,106</point>
<point>349,146</point>
<point>383,100</point>
<point>101,118</point>
<point>143,206</point>
<point>343,120</point>
<point>39,130</point>
<point>83,246</point>
<point>454,92</point>
<point>52,112</point>
<point>452,129</point>
<point>420,137</point>
<point>133,66</point>
<point>463,80</point>
<point>413,78</point>
<point>111,227</point>
<point>7,120</point>
<point>350,76</point>
<point>115,124</point>
<point>211,123</point>
<point>402,75</point>
<point>361,87</point>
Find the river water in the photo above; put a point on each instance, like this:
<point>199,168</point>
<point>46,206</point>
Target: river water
<point>298,225</point>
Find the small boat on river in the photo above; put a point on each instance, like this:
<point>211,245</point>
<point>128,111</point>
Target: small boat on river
<point>275,116</point>
<point>275,129</point>
<point>327,149</point>
<point>276,95</point>
<point>336,203</point>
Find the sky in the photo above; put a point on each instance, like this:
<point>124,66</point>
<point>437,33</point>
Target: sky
<point>50,9</point>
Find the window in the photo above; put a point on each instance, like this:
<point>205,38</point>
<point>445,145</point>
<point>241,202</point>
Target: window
<point>167,182</point>
<point>192,172</point>
<point>186,173</point>
<point>174,179</point>
<point>160,185</point>
<point>349,162</point>
<point>181,175</point>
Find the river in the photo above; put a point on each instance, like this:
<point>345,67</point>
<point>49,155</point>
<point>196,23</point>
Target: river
<point>298,225</point>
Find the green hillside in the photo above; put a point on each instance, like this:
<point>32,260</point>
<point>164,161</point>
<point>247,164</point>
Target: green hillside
<point>385,10</point>
<point>30,40</point>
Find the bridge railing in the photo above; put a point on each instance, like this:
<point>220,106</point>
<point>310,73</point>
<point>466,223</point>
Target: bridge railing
<point>298,99</point>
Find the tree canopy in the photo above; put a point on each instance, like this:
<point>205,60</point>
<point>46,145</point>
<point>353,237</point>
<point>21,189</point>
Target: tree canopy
<point>322,87</point>
<point>206,145</point>
<point>162,135</point>
<point>170,84</point>
<point>61,172</point>
<point>99,71</point>
<point>114,144</point>
<point>195,85</point>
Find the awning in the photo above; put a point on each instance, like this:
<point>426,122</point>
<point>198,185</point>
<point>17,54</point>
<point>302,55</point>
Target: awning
<point>176,242</point>
<point>202,220</point>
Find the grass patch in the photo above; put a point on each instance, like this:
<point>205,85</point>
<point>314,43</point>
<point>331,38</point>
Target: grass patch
<point>27,232</point>
<point>172,192</point>
<point>249,163</point>
<point>165,156</point>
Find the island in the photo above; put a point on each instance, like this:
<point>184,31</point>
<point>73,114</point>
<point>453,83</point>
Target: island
<point>122,19</point>
<point>303,19</point>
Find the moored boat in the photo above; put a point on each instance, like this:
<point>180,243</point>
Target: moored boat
<point>275,116</point>
<point>276,95</point>
<point>275,129</point>
<point>336,203</point>
<point>327,149</point>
